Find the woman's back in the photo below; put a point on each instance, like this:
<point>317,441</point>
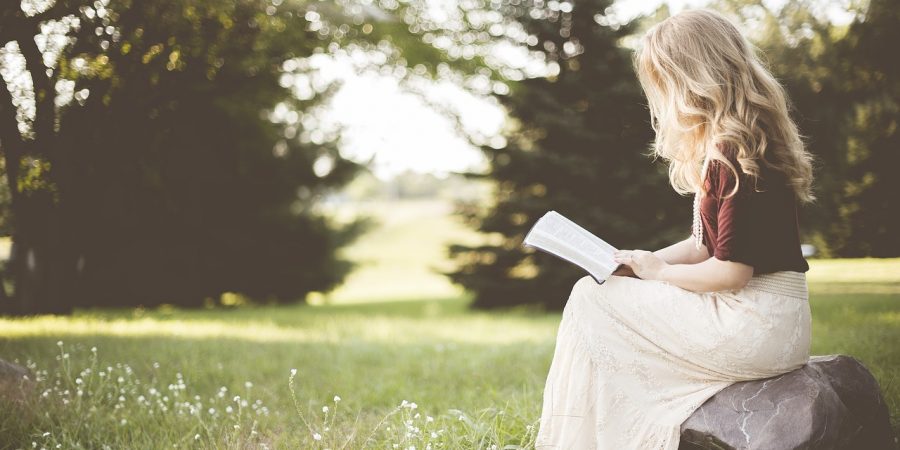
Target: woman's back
<point>756,227</point>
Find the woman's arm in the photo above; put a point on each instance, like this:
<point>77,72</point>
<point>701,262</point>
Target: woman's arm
<point>683,252</point>
<point>710,275</point>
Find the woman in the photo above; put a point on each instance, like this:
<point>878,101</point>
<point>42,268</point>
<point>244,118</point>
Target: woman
<point>637,355</point>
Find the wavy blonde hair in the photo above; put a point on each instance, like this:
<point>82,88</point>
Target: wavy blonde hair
<point>706,87</point>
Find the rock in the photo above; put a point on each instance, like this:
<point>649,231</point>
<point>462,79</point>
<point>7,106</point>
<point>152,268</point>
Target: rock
<point>833,402</point>
<point>15,380</point>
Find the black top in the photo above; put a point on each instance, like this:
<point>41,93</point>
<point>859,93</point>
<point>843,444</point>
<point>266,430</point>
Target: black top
<point>760,229</point>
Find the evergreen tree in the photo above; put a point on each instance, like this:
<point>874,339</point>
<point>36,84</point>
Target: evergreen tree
<point>578,143</point>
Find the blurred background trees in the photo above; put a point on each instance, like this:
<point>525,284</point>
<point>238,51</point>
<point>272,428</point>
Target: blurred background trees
<point>169,151</point>
<point>155,151</point>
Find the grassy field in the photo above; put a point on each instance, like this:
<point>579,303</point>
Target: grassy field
<point>420,372</point>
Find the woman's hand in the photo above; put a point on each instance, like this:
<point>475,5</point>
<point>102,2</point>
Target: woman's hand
<point>624,271</point>
<point>644,264</point>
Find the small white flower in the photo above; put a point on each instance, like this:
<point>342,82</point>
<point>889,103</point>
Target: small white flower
<point>123,422</point>
<point>93,349</point>
<point>317,436</point>
<point>325,409</point>
<point>336,399</point>
<point>196,437</point>
<point>59,343</point>
<point>248,385</point>
<point>229,409</point>
<point>293,372</point>
<point>429,419</point>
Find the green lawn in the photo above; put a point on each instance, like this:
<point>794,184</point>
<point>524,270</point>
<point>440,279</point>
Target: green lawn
<point>475,378</point>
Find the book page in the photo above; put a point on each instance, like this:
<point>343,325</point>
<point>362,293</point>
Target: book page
<point>555,234</point>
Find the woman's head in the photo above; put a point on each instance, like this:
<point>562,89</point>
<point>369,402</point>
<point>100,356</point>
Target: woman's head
<point>706,86</point>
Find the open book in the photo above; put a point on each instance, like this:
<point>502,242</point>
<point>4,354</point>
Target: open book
<point>559,236</point>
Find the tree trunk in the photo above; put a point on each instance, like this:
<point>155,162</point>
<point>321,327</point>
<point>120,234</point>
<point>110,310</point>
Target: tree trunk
<point>40,267</point>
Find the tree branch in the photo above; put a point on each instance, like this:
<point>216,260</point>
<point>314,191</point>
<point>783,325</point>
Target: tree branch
<point>11,144</point>
<point>44,92</point>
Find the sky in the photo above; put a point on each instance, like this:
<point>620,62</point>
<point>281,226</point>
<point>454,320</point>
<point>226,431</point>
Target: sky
<point>398,131</point>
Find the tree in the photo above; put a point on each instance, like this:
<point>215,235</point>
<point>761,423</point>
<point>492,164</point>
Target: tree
<point>578,143</point>
<point>167,156</point>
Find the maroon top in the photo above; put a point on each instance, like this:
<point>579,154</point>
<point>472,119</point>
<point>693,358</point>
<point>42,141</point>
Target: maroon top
<point>760,229</point>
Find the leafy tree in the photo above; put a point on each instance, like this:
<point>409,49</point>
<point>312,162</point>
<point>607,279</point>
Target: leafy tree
<point>167,177</point>
<point>578,143</point>
<point>869,206</point>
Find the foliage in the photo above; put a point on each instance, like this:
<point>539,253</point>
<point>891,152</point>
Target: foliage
<point>578,144</point>
<point>181,196</point>
<point>168,157</point>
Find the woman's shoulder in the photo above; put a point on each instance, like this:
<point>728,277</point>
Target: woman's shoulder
<point>725,177</point>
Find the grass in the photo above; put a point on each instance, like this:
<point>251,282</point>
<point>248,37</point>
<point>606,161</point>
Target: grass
<point>414,368</point>
<point>373,356</point>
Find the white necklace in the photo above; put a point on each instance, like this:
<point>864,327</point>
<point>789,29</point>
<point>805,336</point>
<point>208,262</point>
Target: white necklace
<point>697,224</point>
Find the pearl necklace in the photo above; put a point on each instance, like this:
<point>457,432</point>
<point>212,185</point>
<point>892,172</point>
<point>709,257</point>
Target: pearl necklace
<point>697,224</point>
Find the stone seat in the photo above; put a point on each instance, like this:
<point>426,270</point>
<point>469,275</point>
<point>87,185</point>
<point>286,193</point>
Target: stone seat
<point>832,402</point>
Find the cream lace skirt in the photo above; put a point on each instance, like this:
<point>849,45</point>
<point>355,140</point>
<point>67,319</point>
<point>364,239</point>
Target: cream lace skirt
<point>634,358</point>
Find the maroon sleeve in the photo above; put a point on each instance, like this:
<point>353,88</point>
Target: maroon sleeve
<point>733,216</point>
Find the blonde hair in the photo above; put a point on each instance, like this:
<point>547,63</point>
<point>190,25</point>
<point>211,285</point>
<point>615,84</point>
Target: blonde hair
<point>706,87</point>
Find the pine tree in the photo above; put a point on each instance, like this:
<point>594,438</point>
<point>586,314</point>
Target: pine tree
<point>578,144</point>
